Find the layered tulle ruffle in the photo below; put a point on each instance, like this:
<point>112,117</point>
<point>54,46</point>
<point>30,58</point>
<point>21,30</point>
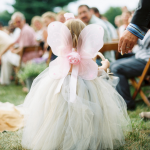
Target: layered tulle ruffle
<point>97,120</point>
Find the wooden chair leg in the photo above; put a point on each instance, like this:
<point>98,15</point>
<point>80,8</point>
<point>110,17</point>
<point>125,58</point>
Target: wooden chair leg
<point>145,99</point>
<point>134,83</point>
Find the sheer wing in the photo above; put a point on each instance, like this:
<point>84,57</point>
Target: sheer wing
<point>59,68</point>
<point>59,38</point>
<point>88,69</point>
<point>90,41</point>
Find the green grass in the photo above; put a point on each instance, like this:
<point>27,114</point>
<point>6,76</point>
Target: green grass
<point>12,93</point>
<point>139,139</point>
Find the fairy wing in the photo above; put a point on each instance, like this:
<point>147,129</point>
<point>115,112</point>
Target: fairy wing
<point>89,43</point>
<point>60,41</point>
<point>59,38</point>
<point>90,40</point>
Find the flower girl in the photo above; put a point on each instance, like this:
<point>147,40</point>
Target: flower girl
<point>73,105</point>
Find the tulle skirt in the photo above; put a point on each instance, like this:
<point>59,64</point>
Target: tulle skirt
<point>97,120</point>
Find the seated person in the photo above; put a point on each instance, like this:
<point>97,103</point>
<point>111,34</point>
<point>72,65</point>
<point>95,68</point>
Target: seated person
<point>5,42</point>
<point>110,27</point>
<point>10,57</point>
<point>47,18</point>
<point>60,17</point>
<point>40,30</point>
<point>129,67</point>
<point>13,31</point>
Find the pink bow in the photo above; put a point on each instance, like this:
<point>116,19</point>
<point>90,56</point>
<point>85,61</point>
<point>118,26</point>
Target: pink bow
<point>69,16</point>
<point>90,42</point>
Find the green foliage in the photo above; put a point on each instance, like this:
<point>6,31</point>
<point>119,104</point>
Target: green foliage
<point>31,8</point>
<point>31,70</point>
<point>111,13</point>
<point>5,16</point>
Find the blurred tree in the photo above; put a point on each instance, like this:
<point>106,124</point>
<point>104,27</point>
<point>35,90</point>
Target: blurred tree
<point>32,8</point>
<point>5,16</point>
<point>111,13</point>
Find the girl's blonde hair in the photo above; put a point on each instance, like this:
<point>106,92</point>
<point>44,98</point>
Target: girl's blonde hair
<point>35,18</point>
<point>75,26</point>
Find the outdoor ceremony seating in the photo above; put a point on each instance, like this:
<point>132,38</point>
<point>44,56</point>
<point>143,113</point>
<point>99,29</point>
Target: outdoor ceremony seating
<point>144,80</point>
<point>110,46</point>
<point>27,53</point>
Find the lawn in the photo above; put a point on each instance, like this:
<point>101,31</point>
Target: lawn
<point>139,139</point>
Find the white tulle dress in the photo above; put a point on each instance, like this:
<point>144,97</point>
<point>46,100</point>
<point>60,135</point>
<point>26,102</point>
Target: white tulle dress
<point>96,120</point>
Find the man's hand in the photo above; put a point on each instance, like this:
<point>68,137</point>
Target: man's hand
<point>127,42</point>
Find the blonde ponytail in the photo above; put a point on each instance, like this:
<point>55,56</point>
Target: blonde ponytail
<point>75,40</point>
<point>75,26</point>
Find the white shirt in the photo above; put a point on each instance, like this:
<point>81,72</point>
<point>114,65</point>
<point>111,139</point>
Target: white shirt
<point>5,41</point>
<point>121,30</point>
<point>112,30</point>
<point>15,35</point>
<point>144,48</point>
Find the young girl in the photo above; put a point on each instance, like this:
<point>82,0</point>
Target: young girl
<point>72,104</point>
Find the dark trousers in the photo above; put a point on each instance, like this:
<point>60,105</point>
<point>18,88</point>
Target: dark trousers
<point>126,68</point>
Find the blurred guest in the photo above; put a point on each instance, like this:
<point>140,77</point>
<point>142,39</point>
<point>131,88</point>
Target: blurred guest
<point>130,67</point>
<point>138,27</point>
<point>41,37</point>
<point>118,21</point>
<point>110,27</point>
<point>124,9</point>
<point>11,57</point>
<point>125,18</point>
<point>60,16</point>
<point>95,12</point>
<point>40,30</point>
<point>5,42</point>
<point>86,16</point>
<point>47,18</point>
<point>13,31</point>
